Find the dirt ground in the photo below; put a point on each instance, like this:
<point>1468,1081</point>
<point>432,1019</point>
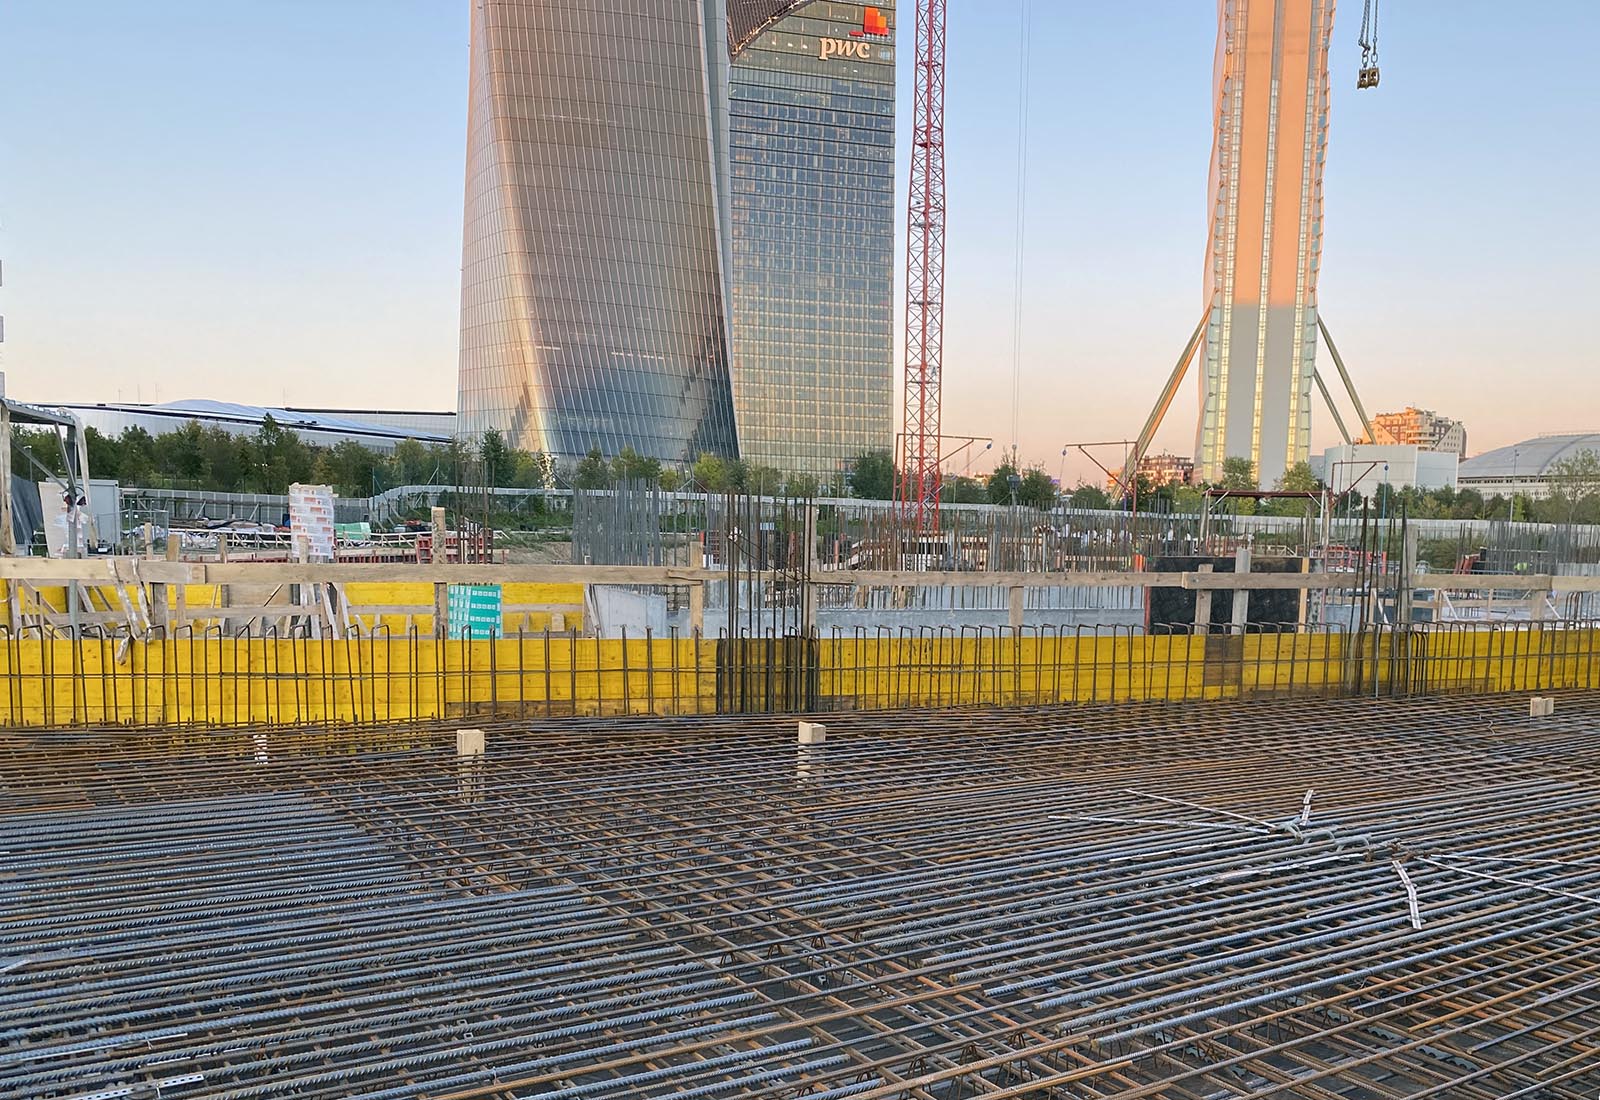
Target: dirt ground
<point>539,553</point>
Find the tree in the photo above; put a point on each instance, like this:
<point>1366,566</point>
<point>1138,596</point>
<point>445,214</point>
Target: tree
<point>1238,473</point>
<point>592,471</point>
<point>670,479</point>
<point>410,464</point>
<point>964,490</point>
<point>352,468</point>
<point>1187,500</point>
<point>872,476</point>
<point>136,460</point>
<point>762,480</point>
<point>1576,481</point>
<point>630,466</point>
<point>534,470</point>
<point>227,460</point>
<point>716,474</point>
<point>802,486</point>
<point>1469,504</point>
<point>1004,484</point>
<point>1089,497</point>
<point>499,465</point>
<point>1037,490</point>
<point>181,455</point>
<point>105,457</point>
<point>1298,479</point>
<point>281,458</point>
<point>43,444</point>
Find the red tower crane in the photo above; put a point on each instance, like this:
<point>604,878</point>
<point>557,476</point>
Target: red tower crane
<point>920,475</point>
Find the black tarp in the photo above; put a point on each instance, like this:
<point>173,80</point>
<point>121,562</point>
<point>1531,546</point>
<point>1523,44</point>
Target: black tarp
<point>27,517</point>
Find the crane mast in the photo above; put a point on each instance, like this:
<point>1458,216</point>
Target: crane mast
<point>920,474</point>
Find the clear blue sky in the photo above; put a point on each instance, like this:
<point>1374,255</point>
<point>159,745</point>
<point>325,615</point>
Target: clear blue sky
<point>261,201</point>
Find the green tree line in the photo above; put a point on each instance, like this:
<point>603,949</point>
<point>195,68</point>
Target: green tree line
<point>1574,497</point>
<point>273,458</point>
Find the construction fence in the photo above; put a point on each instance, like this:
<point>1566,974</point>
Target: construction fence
<point>205,678</point>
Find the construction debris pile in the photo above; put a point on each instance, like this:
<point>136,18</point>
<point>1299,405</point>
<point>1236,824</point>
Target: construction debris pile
<point>1336,899</point>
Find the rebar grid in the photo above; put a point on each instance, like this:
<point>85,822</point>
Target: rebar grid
<point>1197,901</point>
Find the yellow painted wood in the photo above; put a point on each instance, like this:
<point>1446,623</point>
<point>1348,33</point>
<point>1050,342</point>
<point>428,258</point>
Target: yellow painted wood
<point>212,681</point>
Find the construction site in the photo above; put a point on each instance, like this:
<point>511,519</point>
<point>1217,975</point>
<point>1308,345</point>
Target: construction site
<point>795,798</point>
<point>741,794</point>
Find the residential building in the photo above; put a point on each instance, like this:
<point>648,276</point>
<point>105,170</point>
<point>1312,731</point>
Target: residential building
<point>1420,428</point>
<point>1167,469</point>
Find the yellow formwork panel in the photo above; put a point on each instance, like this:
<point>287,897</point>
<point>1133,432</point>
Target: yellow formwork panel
<point>207,680</point>
<point>228,681</point>
<point>420,596</point>
<point>1031,669</point>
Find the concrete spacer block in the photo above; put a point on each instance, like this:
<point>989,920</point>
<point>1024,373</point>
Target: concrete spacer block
<point>813,733</point>
<point>469,742</point>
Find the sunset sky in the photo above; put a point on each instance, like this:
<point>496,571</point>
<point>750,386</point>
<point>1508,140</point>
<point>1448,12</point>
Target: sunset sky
<point>261,202</point>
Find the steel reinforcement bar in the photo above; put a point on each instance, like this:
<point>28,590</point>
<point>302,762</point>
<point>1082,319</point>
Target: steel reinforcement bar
<point>208,678</point>
<point>1326,899</point>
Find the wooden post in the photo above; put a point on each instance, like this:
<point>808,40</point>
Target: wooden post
<point>441,550</point>
<point>441,610</point>
<point>1017,606</point>
<point>1405,609</point>
<point>697,607</point>
<point>1202,604</point>
<point>1305,595</point>
<point>1538,605</point>
<point>1241,596</point>
<point>469,765</point>
<point>158,607</point>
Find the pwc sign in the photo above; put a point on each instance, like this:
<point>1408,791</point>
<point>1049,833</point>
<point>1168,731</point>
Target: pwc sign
<point>874,24</point>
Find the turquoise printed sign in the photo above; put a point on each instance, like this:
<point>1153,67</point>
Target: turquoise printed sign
<point>475,611</point>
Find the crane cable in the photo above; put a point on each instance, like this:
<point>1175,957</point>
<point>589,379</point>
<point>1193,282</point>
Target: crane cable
<point>1025,29</point>
<point>1368,77</point>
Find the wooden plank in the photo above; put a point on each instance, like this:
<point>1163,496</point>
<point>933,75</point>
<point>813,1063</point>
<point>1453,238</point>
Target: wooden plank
<point>47,571</point>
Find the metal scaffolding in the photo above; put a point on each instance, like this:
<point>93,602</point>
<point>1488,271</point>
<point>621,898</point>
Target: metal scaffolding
<point>1322,899</point>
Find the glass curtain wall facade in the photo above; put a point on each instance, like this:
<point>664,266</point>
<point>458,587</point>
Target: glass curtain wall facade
<point>812,197</point>
<point>679,229</point>
<point>1271,100</point>
<point>593,276</point>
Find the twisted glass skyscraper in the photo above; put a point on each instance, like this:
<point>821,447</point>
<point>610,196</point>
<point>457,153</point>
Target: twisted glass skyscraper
<point>592,286</point>
<point>676,209</point>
